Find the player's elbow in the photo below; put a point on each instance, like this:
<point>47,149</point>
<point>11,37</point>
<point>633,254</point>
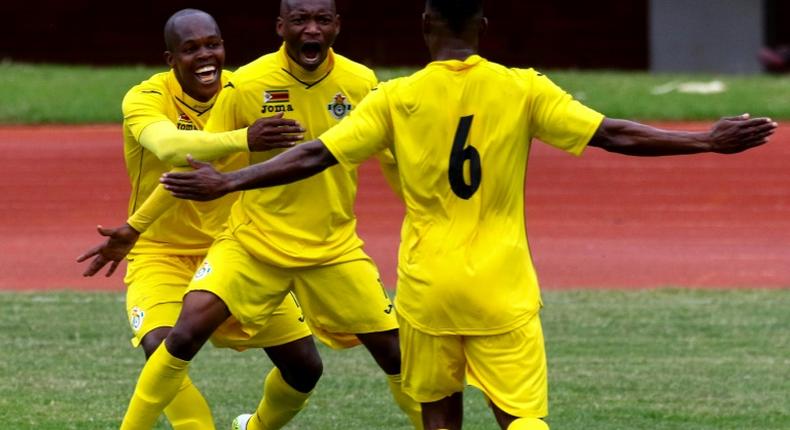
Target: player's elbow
<point>172,157</point>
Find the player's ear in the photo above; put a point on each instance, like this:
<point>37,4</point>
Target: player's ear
<point>279,26</point>
<point>426,24</point>
<point>337,25</point>
<point>483,28</point>
<point>169,58</point>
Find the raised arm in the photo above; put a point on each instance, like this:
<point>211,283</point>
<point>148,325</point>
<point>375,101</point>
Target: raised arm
<point>728,135</point>
<point>206,183</point>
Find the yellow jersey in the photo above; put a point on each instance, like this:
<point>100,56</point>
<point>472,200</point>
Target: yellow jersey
<point>461,133</point>
<point>311,222</point>
<point>186,228</point>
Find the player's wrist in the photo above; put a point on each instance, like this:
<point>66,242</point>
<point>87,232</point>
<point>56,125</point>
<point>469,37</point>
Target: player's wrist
<point>704,141</point>
<point>130,231</point>
<point>231,182</point>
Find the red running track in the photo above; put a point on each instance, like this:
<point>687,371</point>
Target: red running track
<point>596,221</point>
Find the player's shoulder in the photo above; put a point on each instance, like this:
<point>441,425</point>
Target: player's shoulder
<point>526,73</point>
<point>151,90</point>
<point>156,84</point>
<point>516,79</point>
<point>350,68</point>
<point>499,71</point>
<point>254,71</point>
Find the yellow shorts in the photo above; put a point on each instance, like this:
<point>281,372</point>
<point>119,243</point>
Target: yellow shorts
<point>338,300</point>
<point>156,285</point>
<point>509,368</point>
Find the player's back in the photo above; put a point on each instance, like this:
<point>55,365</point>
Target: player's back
<point>462,133</point>
<point>466,130</point>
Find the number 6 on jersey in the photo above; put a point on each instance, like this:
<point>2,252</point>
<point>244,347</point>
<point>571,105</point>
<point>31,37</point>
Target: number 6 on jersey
<point>458,156</point>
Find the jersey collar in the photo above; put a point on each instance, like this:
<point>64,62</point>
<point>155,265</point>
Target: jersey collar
<point>184,99</point>
<point>306,77</point>
<point>458,65</point>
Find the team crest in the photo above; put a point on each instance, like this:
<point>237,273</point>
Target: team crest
<point>276,101</point>
<point>136,319</point>
<point>204,271</point>
<point>185,122</point>
<point>339,108</point>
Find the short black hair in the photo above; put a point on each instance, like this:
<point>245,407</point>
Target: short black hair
<point>170,25</point>
<point>286,6</point>
<point>457,13</point>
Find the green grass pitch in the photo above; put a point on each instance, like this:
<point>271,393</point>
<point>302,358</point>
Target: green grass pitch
<point>654,359</point>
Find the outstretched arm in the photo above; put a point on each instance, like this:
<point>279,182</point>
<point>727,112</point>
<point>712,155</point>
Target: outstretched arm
<point>206,183</point>
<point>172,145</point>
<point>727,136</point>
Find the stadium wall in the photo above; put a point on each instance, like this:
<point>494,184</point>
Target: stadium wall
<point>568,34</point>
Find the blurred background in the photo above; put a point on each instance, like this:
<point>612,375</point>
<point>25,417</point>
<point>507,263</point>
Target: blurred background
<point>652,35</point>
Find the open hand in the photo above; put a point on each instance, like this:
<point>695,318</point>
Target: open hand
<point>119,242</point>
<point>273,132</point>
<point>739,133</point>
<point>203,184</point>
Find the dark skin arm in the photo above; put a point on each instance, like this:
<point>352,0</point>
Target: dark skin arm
<point>727,136</point>
<point>206,183</point>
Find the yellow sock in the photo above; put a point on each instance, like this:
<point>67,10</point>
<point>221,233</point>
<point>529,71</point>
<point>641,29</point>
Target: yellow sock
<point>528,424</point>
<point>158,383</point>
<point>280,403</point>
<point>188,410</point>
<point>406,403</point>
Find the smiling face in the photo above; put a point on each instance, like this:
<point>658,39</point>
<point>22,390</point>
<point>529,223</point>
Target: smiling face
<point>309,28</point>
<point>196,54</point>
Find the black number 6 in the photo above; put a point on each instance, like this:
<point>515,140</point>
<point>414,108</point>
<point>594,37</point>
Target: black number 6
<point>458,156</point>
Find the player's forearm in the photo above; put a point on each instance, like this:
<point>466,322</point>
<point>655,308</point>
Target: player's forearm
<point>172,145</point>
<point>632,138</point>
<point>159,202</point>
<point>295,164</point>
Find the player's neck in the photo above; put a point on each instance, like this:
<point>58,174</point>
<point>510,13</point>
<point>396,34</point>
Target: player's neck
<point>453,49</point>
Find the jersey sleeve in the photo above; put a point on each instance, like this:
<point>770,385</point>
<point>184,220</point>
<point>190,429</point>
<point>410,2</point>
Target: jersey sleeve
<point>144,105</point>
<point>364,133</point>
<point>172,145</point>
<point>558,119</point>
<point>157,203</point>
<point>143,111</point>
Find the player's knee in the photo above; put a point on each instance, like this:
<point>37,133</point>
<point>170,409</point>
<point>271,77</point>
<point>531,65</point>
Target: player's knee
<point>312,369</point>
<point>304,374</point>
<point>152,339</point>
<point>183,343</point>
<point>385,349</point>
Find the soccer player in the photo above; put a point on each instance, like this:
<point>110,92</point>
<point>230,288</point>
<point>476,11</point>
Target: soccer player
<point>299,238</point>
<point>467,297</point>
<point>162,116</point>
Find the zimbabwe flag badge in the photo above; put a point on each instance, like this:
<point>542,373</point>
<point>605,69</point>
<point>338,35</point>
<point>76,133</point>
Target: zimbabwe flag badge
<point>276,96</point>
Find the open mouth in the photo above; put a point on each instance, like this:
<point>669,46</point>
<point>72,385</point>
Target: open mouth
<point>207,74</point>
<point>311,51</point>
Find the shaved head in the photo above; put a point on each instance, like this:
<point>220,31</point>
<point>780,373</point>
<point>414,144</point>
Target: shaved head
<point>287,6</point>
<point>457,14</point>
<point>173,26</point>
